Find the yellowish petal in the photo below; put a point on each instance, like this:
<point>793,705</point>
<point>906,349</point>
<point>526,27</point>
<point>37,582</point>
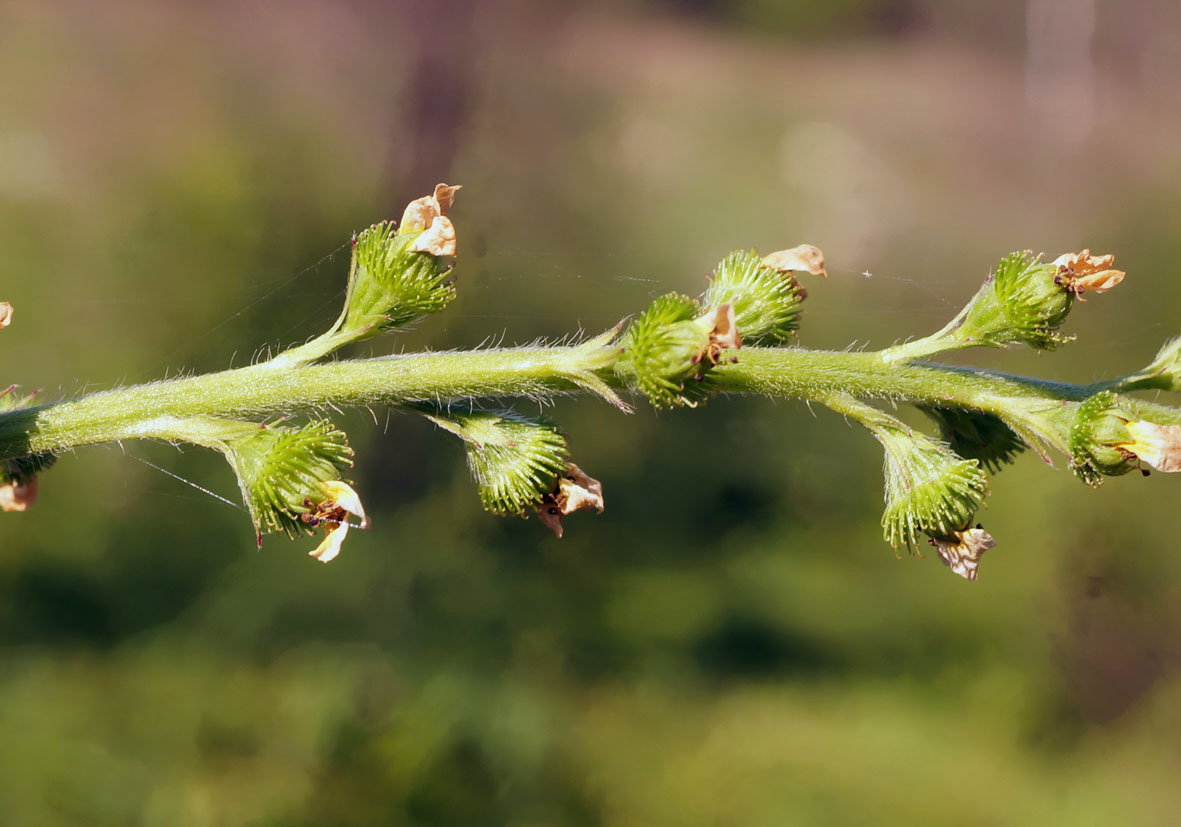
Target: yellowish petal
<point>804,258</point>
<point>330,546</point>
<point>438,240</point>
<point>343,495</point>
<point>5,314</point>
<point>578,490</point>
<point>1158,445</point>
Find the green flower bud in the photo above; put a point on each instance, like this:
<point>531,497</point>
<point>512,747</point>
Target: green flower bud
<point>975,435</point>
<point>1163,374</point>
<point>514,460</point>
<point>766,301</point>
<point>929,489</point>
<point>1108,439</point>
<point>1027,300</point>
<point>672,346</point>
<point>391,284</point>
<point>290,476</point>
<point>1020,304</point>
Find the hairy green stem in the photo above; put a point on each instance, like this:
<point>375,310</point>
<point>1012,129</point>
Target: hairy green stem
<point>272,389</point>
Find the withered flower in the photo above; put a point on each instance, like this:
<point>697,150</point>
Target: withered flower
<point>961,551</point>
<point>804,258</point>
<point>1082,272</point>
<point>723,333</point>
<point>428,214</point>
<point>333,513</point>
<point>1158,445</point>
<point>18,496</point>
<point>574,490</point>
<point>5,314</point>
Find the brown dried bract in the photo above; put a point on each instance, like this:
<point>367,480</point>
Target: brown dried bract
<point>438,240</point>
<point>1158,445</point>
<point>1080,273</point>
<point>573,491</point>
<point>5,314</point>
<point>18,496</point>
<point>804,258</point>
<point>421,213</point>
<point>963,549</point>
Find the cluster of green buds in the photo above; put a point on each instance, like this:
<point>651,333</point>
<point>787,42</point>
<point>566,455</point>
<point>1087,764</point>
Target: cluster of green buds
<point>672,347</point>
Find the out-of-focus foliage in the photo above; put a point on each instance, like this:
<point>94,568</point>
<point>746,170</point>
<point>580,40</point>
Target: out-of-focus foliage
<point>729,643</point>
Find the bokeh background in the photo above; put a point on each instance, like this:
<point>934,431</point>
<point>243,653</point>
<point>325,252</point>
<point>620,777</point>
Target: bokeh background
<point>731,643</point>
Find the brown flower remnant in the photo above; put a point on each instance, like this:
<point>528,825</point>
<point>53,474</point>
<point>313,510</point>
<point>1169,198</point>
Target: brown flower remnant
<point>574,490</point>
<point>1158,445</point>
<point>5,314</point>
<point>428,214</point>
<point>723,334</point>
<point>963,549</point>
<point>1080,273</point>
<point>333,514</point>
<point>804,258</point>
<point>18,496</point>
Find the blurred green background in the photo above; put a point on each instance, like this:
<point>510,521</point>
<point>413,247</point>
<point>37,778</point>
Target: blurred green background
<point>731,643</point>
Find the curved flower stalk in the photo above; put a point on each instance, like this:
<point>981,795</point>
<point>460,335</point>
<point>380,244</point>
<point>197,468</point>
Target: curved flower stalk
<point>678,352</point>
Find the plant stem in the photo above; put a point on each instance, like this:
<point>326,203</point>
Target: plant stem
<point>271,389</point>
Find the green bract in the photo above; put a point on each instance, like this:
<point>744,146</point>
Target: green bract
<point>979,436</point>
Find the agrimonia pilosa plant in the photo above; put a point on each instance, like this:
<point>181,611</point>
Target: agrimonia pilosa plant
<point>736,337</point>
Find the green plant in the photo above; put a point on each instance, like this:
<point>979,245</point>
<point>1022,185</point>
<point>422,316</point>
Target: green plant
<point>678,352</point>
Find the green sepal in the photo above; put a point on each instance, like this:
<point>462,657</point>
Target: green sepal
<point>766,302</point>
<point>975,435</point>
<point>391,286</point>
<point>1099,426</point>
<point>281,470</point>
<point>515,460</point>
<point>929,488</point>
<point>664,349</point>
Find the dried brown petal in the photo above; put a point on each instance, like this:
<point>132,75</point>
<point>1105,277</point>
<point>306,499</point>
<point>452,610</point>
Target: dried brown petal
<point>5,314</point>
<point>963,549</point>
<point>18,496</point>
<point>422,212</point>
<point>575,490</point>
<point>1085,273</point>
<point>438,240</point>
<point>1158,445</point>
<point>804,258</point>
<point>445,197</point>
<point>725,333</point>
